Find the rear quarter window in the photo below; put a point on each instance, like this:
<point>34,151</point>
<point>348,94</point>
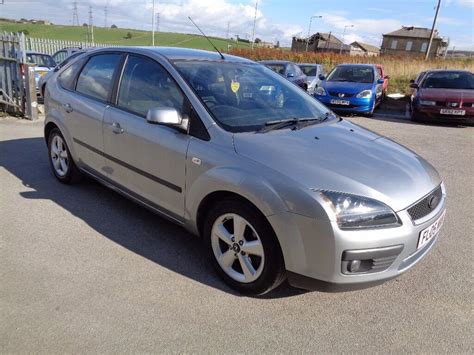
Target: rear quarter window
<point>68,77</point>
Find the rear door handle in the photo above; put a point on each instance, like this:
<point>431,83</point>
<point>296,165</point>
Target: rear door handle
<point>116,128</point>
<point>68,108</point>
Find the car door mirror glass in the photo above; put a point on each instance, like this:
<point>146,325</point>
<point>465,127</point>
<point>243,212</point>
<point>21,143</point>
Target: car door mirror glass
<point>414,86</point>
<point>290,75</point>
<point>322,77</point>
<point>167,116</point>
<point>380,81</point>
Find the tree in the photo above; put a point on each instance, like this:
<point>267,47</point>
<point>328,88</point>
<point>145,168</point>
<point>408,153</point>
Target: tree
<point>128,35</point>
<point>113,26</point>
<point>258,40</point>
<point>277,45</point>
<point>85,25</point>
<point>25,32</point>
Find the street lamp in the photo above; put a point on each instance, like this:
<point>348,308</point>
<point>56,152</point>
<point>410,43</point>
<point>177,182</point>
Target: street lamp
<point>343,35</point>
<point>309,30</point>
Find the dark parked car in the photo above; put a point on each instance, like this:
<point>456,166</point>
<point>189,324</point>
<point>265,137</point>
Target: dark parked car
<point>289,70</point>
<point>444,95</point>
<point>64,53</point>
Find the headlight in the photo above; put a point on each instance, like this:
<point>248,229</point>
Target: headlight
<point>427,103</point>
<point>320,91</point>
<point>364,94</point>
<point>357,212</point>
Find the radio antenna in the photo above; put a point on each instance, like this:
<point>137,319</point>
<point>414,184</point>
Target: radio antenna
<point>212,44</point>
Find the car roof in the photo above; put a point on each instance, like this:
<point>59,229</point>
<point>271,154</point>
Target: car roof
<point>356,65</point>
<point>309,64</point>
<point>446,71</point>
<point>37,53</point>
<point>176,54</point>
<point>274,61</point>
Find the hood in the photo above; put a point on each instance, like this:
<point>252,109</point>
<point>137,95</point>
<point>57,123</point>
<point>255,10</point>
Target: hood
<point>346,87</point>
<point>446,94</point>
<point>344,157</point>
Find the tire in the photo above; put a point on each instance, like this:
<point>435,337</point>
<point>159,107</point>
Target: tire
<point>60,159</point>
<point>256,246</point>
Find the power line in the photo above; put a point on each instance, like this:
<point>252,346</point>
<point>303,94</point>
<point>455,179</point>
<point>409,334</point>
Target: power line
<point>105,17</point>
<point>75,16</point>
<point>91,26</point>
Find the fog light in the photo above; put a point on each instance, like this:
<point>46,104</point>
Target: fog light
<point>354,266</point>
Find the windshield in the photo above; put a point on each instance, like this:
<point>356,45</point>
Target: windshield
<point>309,70</point>
<point>41,60</point>
<point>277,68</point>
<point>243,97</point>
<point>449,80</point>
<point>355,74</point>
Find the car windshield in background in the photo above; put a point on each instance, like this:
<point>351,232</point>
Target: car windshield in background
<point>277,68</point>
<point>244,97</point>
<point>355,74</point>
<point>41,60</point>
<point>308,70</point>
<point>449,80</point>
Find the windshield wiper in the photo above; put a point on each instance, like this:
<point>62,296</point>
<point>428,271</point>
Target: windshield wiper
<point>279,124</point>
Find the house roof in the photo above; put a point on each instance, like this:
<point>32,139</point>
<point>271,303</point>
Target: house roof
<point>413,32</point>
<point>327,37</point>
<point>366,47</point>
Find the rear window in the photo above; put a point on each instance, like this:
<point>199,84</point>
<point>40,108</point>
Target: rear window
<point>277,68</point>
<point>309,70</point>
<point>41,60</point>
<point>95,79</point>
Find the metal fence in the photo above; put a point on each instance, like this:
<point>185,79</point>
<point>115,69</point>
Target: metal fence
<point>17,87</point>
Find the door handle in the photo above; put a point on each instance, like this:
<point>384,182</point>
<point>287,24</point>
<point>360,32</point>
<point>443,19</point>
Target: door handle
<point>68,108</point>
<point>116,128</point>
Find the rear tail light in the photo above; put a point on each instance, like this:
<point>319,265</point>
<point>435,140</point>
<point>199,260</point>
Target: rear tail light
<point>22,69</point>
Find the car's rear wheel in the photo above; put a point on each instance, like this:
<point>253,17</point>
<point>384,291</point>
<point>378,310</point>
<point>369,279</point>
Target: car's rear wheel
<point>62,164</point>
<point>243,248</point>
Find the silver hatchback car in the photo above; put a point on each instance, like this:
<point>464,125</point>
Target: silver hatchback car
<point>277,186</point>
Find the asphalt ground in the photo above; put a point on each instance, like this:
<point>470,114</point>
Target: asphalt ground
<point>82,269</point>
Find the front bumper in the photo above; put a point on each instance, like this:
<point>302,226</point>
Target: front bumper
<point>428,113</point>
<point>356,105</point>
<point>315,252</point>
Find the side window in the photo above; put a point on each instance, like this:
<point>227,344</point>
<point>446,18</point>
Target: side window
<point>60,56</point>
<point>146,84</point>
<point>95,79</point>
<point>409,46</point>
<point>67,77</point>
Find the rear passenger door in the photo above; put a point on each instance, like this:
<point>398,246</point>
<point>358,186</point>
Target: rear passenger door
<point>146,160</point>
<point>84,107</point>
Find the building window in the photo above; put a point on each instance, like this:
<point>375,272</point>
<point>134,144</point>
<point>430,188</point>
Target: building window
<point>409,46</point>
<point>394,44</point>
<point>424,46</point>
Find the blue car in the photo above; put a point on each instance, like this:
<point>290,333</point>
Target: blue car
<point>351,88</point>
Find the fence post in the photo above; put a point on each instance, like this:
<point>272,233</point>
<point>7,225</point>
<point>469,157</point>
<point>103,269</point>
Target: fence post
<point>31,109</point>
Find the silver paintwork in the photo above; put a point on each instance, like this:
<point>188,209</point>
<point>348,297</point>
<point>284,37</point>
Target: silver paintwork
<point>275,171</point>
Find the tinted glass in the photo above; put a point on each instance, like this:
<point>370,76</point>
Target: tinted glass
<point>146,84</point>
<point>245,96</point>
<point>67,77</point>
<point>95,79</point>
<point>309,70</point>
<point>356,74</point>
<point>449,80</point>
<point>277,68</point>
<point>41,60</point>
<point>59,56</point>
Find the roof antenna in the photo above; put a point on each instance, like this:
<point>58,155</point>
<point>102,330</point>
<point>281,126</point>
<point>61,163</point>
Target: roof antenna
<point>212,44</point>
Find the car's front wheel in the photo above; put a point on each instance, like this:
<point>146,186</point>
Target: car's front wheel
<point>243,248</point>
<point>62,164</point>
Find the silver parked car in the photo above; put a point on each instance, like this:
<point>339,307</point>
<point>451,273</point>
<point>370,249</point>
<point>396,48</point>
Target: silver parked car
<point>276,184</point>
<point>312,72</point>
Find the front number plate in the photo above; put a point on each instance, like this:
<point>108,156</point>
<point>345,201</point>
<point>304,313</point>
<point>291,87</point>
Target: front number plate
<point>429,233</point>
<point>340,102</point>
<point>445,111</point>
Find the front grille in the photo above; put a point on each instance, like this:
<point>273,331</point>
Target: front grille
<point>426,205</point>
<point>336,94</point>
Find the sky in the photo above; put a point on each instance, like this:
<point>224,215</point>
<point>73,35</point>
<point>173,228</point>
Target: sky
<point>276,20</point>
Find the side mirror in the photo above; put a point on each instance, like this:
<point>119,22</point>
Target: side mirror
<point>290,75</point>
<point>387,77</point>
<point>167,116</point>
<point>380,81</point>
<point>412,81</point>
<point>414,85</point>
<point>322,77</point>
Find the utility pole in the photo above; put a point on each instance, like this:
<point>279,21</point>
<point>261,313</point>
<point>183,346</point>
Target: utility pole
<point>228,28</point>
<point>105,17</point>
<point>427,55</point>
<point>75,16</point>
<point>153,25</point>
<point>254,22</point>
<point>343,35</point>
<point>309,30</point>
<point>157,22</point>
<point>91,26</point>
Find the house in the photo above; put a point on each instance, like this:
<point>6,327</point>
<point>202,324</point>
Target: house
<point>320,42</point>
<point>364,49</point>
<point>413,41</point>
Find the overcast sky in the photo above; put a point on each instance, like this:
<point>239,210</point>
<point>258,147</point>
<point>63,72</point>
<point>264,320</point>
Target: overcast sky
<point>276,19</point>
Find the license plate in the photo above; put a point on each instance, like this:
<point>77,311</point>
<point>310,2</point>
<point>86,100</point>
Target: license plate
<point>445,111</point>
<point>429,233</point>
<point>340,102</point>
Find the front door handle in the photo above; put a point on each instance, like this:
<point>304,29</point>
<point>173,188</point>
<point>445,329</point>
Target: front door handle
<point>68,108</point>
<point>116,128</point>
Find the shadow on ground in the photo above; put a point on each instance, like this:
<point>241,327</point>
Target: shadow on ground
<point>115,217</point>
